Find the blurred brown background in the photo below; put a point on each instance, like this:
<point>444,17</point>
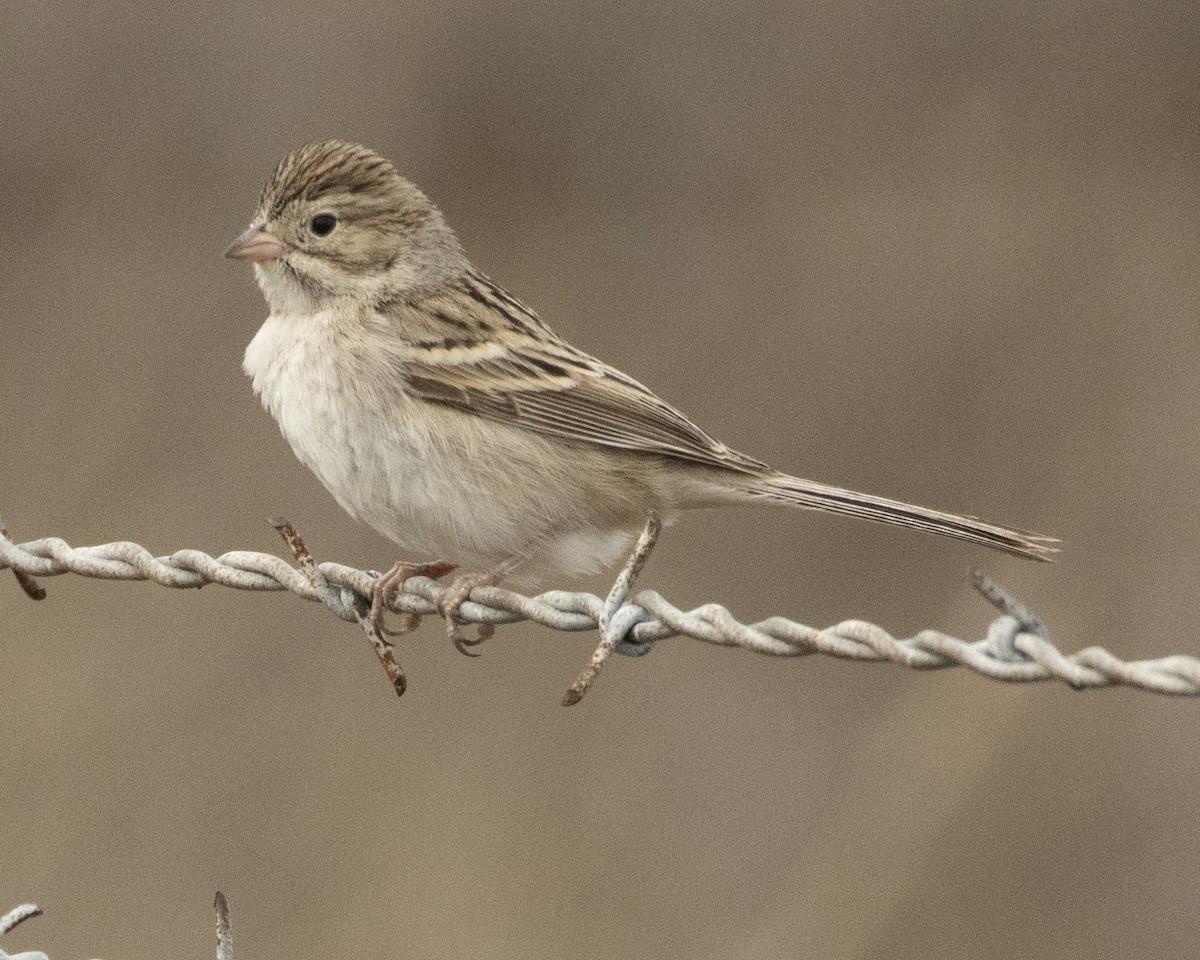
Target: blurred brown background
<point>940,251</point>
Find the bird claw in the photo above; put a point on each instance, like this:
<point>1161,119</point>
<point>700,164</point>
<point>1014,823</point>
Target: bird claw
<point>450,603</point>
<point>463,643</point>
<point>411,622</point>
<point>386,588</point>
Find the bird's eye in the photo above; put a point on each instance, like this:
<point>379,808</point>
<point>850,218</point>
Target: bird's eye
<point>323,223</point>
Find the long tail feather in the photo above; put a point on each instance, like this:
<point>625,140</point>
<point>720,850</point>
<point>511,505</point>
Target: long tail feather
<point>806,494</point>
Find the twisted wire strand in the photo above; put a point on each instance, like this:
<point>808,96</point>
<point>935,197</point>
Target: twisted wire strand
<point>15,916</point>
<point>1015,650</point>
<point>18,914</point>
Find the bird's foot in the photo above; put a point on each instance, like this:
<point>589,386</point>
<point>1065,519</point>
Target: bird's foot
<point>385,589</point>
<point>455,595</point>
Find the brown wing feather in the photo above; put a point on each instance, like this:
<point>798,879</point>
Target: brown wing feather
<point>554,390</point>
<point>473,346</point>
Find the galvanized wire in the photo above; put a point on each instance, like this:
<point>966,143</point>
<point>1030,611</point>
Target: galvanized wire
<point>1016,648</point>
<point>10,920</point>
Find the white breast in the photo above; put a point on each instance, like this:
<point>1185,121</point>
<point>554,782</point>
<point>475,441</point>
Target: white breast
<point>289,363</point>
<point>361,449</point>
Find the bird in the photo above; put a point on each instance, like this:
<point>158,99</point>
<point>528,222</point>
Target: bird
<point>444,413</point>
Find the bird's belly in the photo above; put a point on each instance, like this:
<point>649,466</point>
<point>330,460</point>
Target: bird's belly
<point>468,499</point>
<point>447,485</point>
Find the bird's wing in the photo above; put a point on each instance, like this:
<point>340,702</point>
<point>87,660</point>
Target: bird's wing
<point>533,380</point>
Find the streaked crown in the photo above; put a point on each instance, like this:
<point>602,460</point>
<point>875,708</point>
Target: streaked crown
<point>346,170</point>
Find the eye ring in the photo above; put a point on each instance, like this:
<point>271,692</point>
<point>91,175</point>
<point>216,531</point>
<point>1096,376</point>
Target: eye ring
<point>322,224</point>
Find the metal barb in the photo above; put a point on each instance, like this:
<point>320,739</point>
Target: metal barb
<point>10,920</point>
<point>224,928</point>
<point>650,617</point>
<point>614,628</point>
<point>359,607</point>
<point>17,915</point>
<point>1005,602</point>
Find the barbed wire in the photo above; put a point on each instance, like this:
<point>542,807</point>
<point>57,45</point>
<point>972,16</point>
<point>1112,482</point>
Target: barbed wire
<point>1016,648</point>
<point>15,916</point>
<point>28,910</point>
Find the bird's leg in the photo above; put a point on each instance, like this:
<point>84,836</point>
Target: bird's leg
<point>459,591</point>
<point>386,587</point>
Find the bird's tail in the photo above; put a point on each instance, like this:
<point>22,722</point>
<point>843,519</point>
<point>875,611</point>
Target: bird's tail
<point>795,492</point>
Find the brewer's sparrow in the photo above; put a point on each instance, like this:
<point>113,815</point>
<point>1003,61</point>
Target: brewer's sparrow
<point>440,410</point>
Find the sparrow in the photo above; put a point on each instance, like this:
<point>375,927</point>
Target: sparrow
<point>444,413</point>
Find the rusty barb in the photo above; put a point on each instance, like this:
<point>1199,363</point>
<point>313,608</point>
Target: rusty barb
<point>224,928</point>
<point>1016,648</point>
<point>344,601</point>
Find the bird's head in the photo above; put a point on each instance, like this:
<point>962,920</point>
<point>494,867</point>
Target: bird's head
<point>336,222</point>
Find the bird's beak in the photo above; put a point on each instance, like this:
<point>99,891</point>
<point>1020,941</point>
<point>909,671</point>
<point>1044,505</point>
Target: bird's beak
<point>257,244</point>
